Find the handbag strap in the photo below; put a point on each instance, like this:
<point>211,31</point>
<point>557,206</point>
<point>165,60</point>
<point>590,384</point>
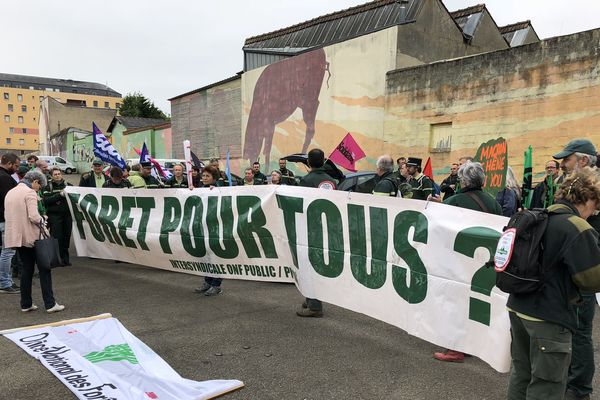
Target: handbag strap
<point>477,200</point>
<point>43,234</point>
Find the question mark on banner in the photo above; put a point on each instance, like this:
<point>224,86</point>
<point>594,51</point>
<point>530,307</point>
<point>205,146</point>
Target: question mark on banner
<point>466,242</point>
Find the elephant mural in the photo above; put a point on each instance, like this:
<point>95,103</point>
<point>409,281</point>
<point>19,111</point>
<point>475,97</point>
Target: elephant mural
<point>282,88</point>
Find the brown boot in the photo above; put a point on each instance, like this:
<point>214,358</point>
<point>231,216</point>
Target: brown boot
<point>307,312</point>
<point>450,356</point>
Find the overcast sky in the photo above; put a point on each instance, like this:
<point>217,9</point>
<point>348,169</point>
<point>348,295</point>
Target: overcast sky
<point>166,48</point>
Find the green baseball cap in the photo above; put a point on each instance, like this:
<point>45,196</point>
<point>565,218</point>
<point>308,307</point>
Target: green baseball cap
<point>577,146</point>
<point>97,161</point>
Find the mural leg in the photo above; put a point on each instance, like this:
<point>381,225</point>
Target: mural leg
<point>309,114</point>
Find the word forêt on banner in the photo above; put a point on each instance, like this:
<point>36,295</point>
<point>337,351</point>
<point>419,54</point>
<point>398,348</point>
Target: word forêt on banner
<point>493,156</point>
<point>422,269</point>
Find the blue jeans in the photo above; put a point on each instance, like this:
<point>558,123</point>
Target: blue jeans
<point>5,258</point>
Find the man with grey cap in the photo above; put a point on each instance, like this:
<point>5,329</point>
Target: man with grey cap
<point>577,154</point>
<point>94,178</point>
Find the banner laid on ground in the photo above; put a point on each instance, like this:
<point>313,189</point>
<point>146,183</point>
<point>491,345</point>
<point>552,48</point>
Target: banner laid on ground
<point>420,269</point>
<point>102,360</point>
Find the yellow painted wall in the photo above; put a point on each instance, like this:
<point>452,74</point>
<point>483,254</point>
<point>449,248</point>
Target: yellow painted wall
<point>29,142</point>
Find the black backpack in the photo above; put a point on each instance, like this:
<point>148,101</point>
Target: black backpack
<point>518,258</point>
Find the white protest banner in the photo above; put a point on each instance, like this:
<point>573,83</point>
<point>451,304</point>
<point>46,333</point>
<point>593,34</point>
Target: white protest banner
<point>101,359</point>
<point>420,269</point>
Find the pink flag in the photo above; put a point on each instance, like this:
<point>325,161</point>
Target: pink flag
<point>347,153</point>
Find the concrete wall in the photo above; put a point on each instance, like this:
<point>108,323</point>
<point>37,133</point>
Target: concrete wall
<point>210,119</point>
<point>543,94</point>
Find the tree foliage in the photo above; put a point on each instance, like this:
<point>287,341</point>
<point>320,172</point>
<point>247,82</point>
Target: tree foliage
<point>136,105</point>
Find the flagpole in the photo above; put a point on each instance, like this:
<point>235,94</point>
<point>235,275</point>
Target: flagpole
<point>58,323</point>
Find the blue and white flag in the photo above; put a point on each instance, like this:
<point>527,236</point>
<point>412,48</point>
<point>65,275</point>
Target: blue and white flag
<point>144,155</point>
<point>104,150</point>
<point>228,170</point>
<point>159,170</point>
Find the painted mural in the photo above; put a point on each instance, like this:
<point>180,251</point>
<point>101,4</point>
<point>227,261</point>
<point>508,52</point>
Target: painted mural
<point>316,98</point>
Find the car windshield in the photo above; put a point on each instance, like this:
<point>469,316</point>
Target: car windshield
<point>60,160</point>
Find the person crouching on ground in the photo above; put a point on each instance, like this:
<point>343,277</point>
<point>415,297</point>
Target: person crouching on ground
<point>23,224</point>
<point>542,322</point>
<point>212,286</point>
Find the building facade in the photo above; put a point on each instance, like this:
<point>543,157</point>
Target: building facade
<point>20,103</point>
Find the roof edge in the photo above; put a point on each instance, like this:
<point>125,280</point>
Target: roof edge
<point>319,20</point>
<point>226,80</point>
<point>514,27</point>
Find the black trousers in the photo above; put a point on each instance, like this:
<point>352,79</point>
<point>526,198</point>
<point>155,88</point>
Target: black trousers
<point>27,256</point>
<point>61,226</point>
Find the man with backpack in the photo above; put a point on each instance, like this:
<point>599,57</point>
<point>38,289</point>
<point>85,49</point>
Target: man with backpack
<point>386,184</point>
<point>541,306</point>
<point>578,154</point>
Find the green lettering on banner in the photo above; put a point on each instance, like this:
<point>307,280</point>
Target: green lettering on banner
<point>170,222</point>
<point>290,207</point>
<point>77,215</point>
<point>89,208</point>
<point>193,242</point>
<point>146,204</point>
<point>466,242</point>
<point>335,236</point>
<point>108,212</point>
<point>358,245</point>
<point>230,248</point>
<point>251,219</point>
<point>417,290</point>
<point>125,222</point>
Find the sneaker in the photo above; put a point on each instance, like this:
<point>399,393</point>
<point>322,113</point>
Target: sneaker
<point>203,288</point>
<point>57,307</point>
<point>32,308</point>
<point>15,286</point>
<point>213,291</point>
<point>307,312</point>
<point>450,356</point>
<point>10,290</point>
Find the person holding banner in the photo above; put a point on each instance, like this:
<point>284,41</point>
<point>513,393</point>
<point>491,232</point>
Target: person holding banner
<point>287,176</point>
<point>316,178</point>
<point>94,178</point>
<point>117,180</point>
<point>59,215</point>
<point>276,178</point>
<point>146,174</point>
<point>544,321</point>
<point>212,286</point>
<point>422,186</point>
<point>178,180</point>
<point>135,178</point>
<point>578,154</point>
<point>386,184</point>
<point>23,224</point>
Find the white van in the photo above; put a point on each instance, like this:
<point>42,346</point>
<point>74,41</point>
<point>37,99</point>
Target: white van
<point>168,163</point>
<point>55,161</point>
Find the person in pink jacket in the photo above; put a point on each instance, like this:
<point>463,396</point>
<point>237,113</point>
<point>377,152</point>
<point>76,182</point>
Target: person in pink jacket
<point>23,222</point>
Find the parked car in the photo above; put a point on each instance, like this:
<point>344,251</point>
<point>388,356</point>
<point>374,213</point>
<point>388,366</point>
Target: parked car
<point>55,161</point>
<point>348,183</point>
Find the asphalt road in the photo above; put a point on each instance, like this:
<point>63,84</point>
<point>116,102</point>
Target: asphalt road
<point>249,332</point>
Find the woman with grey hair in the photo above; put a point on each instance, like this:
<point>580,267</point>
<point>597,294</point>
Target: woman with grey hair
<point>23,224</point>
<point>471,177</point>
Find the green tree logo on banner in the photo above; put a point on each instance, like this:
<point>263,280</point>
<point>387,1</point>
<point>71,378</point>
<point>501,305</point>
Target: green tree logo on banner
<point>116,352</point>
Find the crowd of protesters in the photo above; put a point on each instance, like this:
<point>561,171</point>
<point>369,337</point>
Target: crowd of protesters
<point>552,349</point>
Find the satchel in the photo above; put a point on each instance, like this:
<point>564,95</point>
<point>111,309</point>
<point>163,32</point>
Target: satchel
<point>47,253</point>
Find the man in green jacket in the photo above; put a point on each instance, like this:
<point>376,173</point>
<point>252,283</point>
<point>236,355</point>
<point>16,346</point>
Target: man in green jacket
<point>386,184</point>
<point>146,174</point>
<point>178,180</point>
<point>543,322</point>
<point>135,178</point>
<point>422,186</point>
<point>316,178</point>
<point>57,209</point>
<point>578,154</point>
